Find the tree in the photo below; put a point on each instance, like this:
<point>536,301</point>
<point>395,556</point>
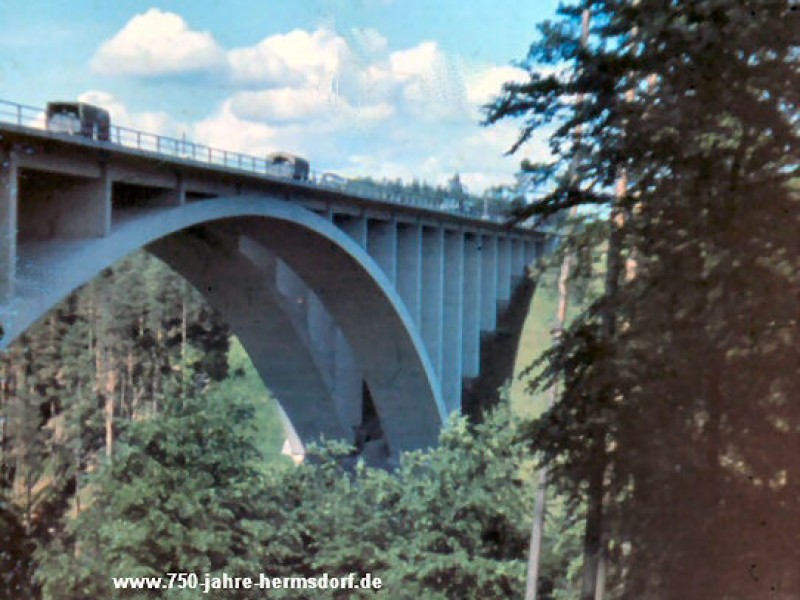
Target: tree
<point>451,522</point>
<point>695,104</point>
<point>177,497</point>
<point>108,354</point>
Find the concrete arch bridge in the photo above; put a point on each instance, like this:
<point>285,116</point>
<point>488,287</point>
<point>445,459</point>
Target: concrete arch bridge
<point>369,320</point>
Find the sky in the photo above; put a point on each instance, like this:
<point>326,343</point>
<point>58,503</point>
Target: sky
<point>385,88</point>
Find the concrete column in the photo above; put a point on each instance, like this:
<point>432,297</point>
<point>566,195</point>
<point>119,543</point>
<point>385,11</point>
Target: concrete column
<point>452,319</point>
<point>409,271</point>
<point>471,328</point>
<point>503,270</point>
<point>9,192</point>
<point>347,385</point>
<point>175,196</point>
<point>432,294</point>
<point>84,208</point>
<point>488,282</point>
<point>354,226</point>
<point>517,259</point>
<point>382,246</point>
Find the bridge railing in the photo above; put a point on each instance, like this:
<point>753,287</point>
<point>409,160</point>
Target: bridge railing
<point>32,116</point>
<point>21,114</point>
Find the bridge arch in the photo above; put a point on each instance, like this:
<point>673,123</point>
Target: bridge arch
<point>204,242</point>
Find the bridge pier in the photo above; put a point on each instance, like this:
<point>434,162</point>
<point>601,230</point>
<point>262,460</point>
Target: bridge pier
<point>488,282</point>
<point>471,327</point>
<point>174,196</point>
<point>452,319</point>
<point>9,197</point>
<point>382,246</point>
<point>433,294</point>
<point>353,225</point>
<point>503,271</point>
<point>409,268</point>
<point>517,259</point>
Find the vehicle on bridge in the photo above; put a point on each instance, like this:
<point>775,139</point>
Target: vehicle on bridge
<point>333,180</point>
<point>79,118</point>
<point>289,165</point>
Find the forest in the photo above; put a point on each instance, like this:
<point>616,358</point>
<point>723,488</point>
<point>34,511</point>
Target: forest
<point>134,435</point>
<point>139,441</point>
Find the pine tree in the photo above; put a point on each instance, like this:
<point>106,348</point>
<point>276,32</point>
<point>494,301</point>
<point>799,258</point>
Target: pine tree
<point>175,498</point>
<point>684,394</point>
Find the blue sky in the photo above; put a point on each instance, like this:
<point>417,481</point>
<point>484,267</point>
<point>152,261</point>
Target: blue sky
<point>382,87</point>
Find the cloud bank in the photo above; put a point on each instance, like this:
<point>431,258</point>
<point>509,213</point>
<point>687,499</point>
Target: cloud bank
<point>341,98</point>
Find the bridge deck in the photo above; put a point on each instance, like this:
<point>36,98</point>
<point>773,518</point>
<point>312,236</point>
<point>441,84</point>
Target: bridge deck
<point>22,127</point>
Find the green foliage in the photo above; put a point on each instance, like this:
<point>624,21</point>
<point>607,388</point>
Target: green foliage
<point>176,497</point>
<point>244,382</point>
<point>186,493</point>
<point>110,354</point>
<point>451,522</point>
<point>194,481</point>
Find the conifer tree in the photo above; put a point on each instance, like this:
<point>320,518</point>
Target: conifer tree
<point>686,397</point>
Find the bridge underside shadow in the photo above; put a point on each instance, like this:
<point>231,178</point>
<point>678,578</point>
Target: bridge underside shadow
<point>499,353</point>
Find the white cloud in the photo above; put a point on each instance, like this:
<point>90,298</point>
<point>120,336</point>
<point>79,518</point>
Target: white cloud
<point>484,84</point>
<point>224,129</point>
<point>289,59</point>
<point>158,43</point>
<point>281,105</point>
<point>345,101</point>
<point>367,44</point>
<point>418,61</point>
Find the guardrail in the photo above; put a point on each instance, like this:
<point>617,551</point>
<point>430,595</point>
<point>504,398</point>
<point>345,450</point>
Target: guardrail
<point>34,117</point>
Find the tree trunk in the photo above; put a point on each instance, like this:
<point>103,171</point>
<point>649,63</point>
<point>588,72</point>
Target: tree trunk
<point>537,533</point>
<point>593,541</point>
<point>110,379</point>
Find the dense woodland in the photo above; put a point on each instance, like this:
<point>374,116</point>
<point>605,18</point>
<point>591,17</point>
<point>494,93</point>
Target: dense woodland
<point>131,445</point>
<point>138,441</point>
